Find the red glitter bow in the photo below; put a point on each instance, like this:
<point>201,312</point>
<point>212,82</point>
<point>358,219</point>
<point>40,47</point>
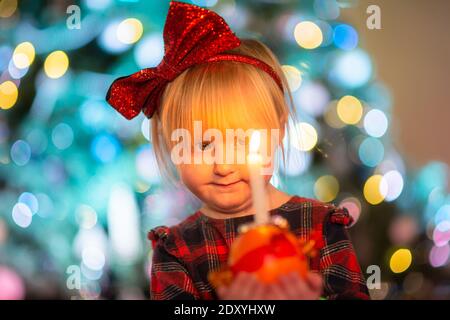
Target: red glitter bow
<point>192,35</point>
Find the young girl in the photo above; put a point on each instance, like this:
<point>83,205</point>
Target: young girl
<point>210,75</point>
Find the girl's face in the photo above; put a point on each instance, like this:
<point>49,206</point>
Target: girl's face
<point>221,187</point>
<point>224,188</point>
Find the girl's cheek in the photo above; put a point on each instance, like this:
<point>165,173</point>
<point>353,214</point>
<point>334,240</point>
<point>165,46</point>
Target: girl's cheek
<point>192,174</point>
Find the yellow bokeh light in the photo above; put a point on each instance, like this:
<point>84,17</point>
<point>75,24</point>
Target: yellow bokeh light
<point>293,76</point>
<point>308,35</point>
<point>400,260</point>
<point>8,94</point>
<point>349,110</point>
<point>305,138</point>
<point>56,64</point>
<point>130,31</point>
<point>7,8</point>
<point>331,117</point>
<point>23,55</point>
<point>375,189</point>
<point>326,188</point>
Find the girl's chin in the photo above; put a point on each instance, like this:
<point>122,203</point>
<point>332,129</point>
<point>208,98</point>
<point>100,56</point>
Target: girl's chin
<point>230,203</point>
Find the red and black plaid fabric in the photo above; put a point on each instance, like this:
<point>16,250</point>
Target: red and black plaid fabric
<point>184,254</point>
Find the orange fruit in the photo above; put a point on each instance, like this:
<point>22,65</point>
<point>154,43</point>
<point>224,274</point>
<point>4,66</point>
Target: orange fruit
<point>268,251</point>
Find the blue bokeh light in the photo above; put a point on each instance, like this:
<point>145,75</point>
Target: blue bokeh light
<point>105,148</point>
<point>345,37</point>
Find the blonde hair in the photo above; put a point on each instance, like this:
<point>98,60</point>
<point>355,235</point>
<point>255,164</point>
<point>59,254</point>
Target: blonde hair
<point>222,95</point>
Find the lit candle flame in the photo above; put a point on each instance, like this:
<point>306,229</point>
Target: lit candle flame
<point>255,141</point>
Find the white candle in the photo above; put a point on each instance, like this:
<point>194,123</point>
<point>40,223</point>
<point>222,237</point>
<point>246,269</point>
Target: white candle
<point>254,161</point>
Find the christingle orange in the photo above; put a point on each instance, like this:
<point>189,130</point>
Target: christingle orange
<point>268,251</point>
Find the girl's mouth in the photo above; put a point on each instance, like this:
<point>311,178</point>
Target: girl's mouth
<point>226,186</point>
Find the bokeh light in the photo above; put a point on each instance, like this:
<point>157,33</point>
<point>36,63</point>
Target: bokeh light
<point>93,258</point>
<point>439,256</point>
<point>326,188</point>
<point>308,35</point>
<point>400,261</point>
<point>146,166</point>
<point>130,31</point>
<point>46,205</point>
<point>8,94</point>
<point>349,110</point>
<point>375,189</point>
<point>149,51</point>
<point>30,201</point>
<point>371,151</point>
<point>442,214</point>
<point>22,215</point>
<point>95,114</point>
<point>12,286</point>
<point>345,37</point>
<point>403,230</point>
<point>108,39</point>
<point>23,55</point>
<point>441,234</point>
<point>56,64</point>
<point>306,138</point>
<point>86,216</point>
<point>16,73</point>
<point>313,98</point>
<point>375,123</point>
<point>145,129</point>
<point>293,76</point>
<point>7,9</point>
<point>91,274</point>
<point>20,152</point>
<point>354,208</point>
<point>62,136</point>
<point>105,148</point>
<point>394,181</point>
<point>351,69</point>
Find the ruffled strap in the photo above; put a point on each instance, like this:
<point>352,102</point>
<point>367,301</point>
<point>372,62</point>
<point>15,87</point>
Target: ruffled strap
<point>340,215</point>
<point>157,233</point>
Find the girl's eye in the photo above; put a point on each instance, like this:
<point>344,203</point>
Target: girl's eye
<point>204,145</point>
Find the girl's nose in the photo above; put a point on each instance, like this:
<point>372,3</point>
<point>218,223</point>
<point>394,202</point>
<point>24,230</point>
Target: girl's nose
<point>223,169</point>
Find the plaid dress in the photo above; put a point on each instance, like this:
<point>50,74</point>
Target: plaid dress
<point>184,254</point>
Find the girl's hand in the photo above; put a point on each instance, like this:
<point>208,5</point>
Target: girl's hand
<point>293,287</point>
<point>289,287</point>
<point>245,287</point>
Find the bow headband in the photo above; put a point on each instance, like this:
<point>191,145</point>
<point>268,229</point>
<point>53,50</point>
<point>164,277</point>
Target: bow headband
<point>192,35</point>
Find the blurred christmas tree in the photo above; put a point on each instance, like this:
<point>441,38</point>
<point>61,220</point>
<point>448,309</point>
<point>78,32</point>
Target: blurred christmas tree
<point>79,183</point>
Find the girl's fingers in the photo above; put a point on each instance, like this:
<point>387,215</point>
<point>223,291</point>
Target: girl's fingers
<point>289,286</point>
<point>260,291</point>
<point>275,292</point>
<point>248,286</point>
<point>241,288</point>
<point>222,292</point>
<point>315,281</point>
<point>236,286</point>
<point>300,287</point>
